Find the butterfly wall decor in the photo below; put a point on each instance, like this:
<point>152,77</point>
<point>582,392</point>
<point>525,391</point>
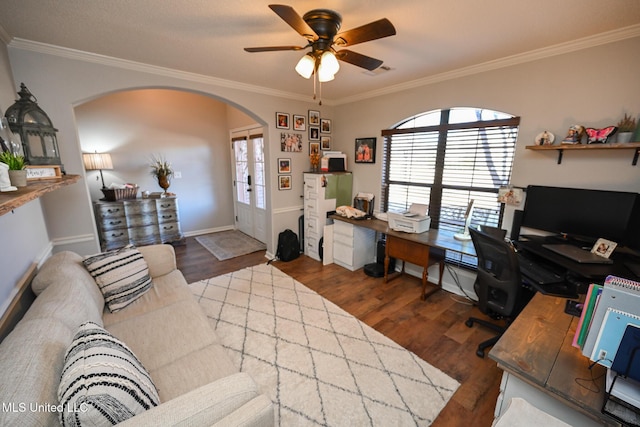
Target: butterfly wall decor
<point>600,136</point>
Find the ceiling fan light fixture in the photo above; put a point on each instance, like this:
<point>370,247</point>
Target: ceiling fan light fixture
<point>323,78</point>
<point>306,65</point>
<point>328,63</point>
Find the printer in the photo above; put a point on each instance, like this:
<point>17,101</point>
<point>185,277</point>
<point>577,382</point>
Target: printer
<point>333,161</point>
<point>415,220</point>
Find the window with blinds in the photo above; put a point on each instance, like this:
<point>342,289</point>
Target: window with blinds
<point>445,159</point>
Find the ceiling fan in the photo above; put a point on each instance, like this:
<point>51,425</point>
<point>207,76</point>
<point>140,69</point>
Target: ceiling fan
<point>320,27</point>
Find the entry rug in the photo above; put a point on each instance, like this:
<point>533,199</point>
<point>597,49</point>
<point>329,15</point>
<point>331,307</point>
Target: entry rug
<point>319,365</point>
<point>230,244</point>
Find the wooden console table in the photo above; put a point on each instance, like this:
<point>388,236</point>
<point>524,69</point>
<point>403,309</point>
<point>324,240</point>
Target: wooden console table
<point>413,247</point>
<point>548,370</point>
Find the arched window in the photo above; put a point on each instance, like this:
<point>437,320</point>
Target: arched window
<point>445,158</point>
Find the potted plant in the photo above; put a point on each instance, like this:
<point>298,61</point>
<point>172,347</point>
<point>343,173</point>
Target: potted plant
<point>626,126</point>
<point>17,171</point>
<point>161,169</point>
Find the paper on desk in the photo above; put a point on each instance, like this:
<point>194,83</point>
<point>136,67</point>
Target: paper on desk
<point>418,209</point>
<point>365,196</point>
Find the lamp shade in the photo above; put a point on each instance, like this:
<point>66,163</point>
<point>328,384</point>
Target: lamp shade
<point>97,161</point>
<point>328,67</point>
<point>306,65</point>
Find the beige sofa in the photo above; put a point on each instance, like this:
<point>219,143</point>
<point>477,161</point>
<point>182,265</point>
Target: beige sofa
<point>197,383</point>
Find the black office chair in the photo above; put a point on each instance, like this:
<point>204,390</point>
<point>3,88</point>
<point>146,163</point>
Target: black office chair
<point>501,295</point>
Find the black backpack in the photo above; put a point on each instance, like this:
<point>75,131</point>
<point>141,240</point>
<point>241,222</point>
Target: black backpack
<point>288,246</point>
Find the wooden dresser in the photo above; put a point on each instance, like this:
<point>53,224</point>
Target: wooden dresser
<point>137,221</point>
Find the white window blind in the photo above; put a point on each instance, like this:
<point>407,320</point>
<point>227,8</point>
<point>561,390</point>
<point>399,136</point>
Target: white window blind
<point>447,164</point>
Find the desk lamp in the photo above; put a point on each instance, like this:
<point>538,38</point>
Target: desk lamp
<point>465,236</point>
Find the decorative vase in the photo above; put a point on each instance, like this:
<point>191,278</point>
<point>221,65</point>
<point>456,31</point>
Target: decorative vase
<point>164,182</point>
<point>18,178</point>
<point>624,137</point>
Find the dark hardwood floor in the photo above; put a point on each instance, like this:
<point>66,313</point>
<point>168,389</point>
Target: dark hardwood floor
<point>433,329</point>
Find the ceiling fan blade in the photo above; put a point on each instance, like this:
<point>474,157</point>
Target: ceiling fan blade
<point>372,31</point>
<point>273,48</point>
<point>358,59</point>
<point>291,17</point>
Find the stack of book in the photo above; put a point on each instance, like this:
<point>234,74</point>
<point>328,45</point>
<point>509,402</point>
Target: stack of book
<point>608,310</point>
<point>608,333</point>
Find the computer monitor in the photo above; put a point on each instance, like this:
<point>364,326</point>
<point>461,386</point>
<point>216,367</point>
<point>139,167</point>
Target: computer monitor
<point>583,214</point>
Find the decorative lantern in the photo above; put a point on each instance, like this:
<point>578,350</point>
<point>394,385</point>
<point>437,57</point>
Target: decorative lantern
<point>32,127</point>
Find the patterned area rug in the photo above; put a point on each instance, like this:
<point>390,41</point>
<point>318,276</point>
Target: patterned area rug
<point>230,244</point>
<point>318,364</point>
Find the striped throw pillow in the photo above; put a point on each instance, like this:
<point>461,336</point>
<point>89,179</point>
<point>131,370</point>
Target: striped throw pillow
<point>102,381</point>
<point>122,275</point>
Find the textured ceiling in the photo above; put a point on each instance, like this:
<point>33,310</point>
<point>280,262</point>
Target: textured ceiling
<point>207,37</point>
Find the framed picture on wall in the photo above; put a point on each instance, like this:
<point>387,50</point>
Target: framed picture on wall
<point>314,148</point>
<point>299,122</point>
<point>282,120</point>
<point>314,118</point>
<point>314,133</point>
<point>325,143</point>
<point>365,150</point>
<point>291,142</point>
<point>284,165</point>
<point>325,125</point>
<point>284,182</point>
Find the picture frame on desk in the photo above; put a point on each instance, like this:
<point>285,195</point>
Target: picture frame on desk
<point>603,248</point>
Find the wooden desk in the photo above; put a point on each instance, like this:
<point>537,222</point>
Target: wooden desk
<point>537,349</point>
<point>412,247</point>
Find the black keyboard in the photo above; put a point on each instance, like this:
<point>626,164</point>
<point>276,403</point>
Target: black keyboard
<point>537,273</point>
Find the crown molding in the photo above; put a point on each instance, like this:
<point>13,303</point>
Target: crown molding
<point>83,56</point>
<point>559,49</point>
<point>534,55</point>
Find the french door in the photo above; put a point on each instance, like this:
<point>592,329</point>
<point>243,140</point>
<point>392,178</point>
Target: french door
<point>249,182</point>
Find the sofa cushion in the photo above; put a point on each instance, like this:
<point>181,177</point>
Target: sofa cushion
<point>102,381</point>
<point>67,267</point>
<point>71,301</point>
<point>166,290</point>
<point>166,334</point>
<point>176,378</point>
<point>31,359</point>
<point>122,275</point>
<point>160,258</point>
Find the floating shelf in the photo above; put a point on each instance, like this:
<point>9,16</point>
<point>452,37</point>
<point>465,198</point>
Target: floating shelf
<point>11,200</point>
<point>560,148</point>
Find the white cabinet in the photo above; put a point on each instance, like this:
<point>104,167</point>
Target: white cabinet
<point>323,193</point>
<point>353,246</point>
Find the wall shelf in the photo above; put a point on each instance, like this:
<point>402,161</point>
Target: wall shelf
<point>11,200</point>
<point>560,148</point>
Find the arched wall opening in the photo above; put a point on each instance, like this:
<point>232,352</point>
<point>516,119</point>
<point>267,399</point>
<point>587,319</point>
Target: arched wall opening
<point>187,128</point>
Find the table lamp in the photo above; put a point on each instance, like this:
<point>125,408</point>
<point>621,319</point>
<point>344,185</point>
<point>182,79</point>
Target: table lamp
<point>97,161</point>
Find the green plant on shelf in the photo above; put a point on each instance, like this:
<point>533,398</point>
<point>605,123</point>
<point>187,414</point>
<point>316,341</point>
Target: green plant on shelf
<point>14,161</point>
<point>627,124</point>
